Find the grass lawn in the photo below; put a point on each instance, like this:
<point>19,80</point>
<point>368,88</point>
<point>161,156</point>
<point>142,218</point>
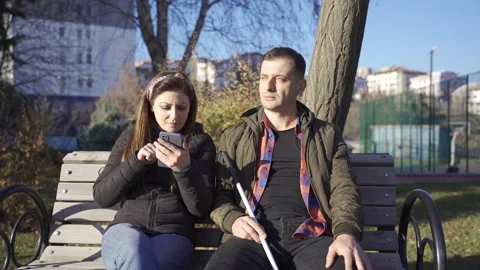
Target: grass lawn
<point>459,206</point>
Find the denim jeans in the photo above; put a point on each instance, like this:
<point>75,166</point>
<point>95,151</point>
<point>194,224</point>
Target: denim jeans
<point>124,246</point>
<point>289,252</point>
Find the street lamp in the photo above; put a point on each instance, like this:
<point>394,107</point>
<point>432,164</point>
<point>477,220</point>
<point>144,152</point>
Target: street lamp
<point>431,121</point>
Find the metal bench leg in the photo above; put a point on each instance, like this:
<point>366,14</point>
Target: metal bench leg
<point>437,244</point>
<point>40,215</point>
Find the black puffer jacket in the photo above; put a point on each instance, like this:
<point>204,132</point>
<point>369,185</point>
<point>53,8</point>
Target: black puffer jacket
<point>144,191</point>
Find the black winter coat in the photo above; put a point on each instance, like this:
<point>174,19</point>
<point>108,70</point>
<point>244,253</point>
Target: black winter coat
<point>144,191</point>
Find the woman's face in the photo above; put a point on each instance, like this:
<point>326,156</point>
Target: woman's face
<point>171,110</point>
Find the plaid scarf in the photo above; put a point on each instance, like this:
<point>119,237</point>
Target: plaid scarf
<point>315,225</point>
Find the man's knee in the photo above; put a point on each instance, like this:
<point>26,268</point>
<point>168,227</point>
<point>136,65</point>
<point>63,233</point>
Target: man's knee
<point>237,253</point>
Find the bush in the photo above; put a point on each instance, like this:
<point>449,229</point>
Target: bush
<point>218,109</point>
<point>24,156</point>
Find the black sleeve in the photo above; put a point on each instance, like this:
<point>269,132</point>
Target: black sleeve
<point>118,177</point>
<point>196,184</point>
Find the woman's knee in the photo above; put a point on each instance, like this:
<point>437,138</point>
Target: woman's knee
<point>125,245</point>
<point>173,251</point>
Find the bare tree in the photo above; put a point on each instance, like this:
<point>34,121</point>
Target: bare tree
<point>207,23</point>
<point>335,58</point>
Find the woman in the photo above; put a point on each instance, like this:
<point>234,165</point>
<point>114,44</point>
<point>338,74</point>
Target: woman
<point>154,228</point>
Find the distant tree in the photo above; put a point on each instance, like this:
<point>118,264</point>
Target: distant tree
<point>113,112</point>
<point>253,23</point>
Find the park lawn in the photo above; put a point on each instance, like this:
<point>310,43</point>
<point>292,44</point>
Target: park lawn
<point>459,207</point>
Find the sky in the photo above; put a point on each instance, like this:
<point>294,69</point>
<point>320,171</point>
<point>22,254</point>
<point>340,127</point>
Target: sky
<point>402,32</point>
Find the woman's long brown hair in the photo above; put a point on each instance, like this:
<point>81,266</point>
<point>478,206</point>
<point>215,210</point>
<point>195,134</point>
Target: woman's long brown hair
<point>145,120</point>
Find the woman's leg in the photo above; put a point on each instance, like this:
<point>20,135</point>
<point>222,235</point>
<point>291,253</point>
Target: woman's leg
<point>126,247</point>
<point>172,251</point>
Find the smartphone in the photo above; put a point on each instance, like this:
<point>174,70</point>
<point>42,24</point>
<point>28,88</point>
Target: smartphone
<point>173,138</point>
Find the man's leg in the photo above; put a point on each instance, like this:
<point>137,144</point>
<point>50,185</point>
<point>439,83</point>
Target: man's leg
<point>237,253</point>
<point>126,247</point>
<point>311,254</point>
<point>172,251</point>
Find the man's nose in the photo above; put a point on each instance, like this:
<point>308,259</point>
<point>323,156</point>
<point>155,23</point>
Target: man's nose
<point>271,85</point>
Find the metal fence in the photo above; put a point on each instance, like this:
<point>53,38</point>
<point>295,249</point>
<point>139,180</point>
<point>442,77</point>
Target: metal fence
<point>425,132</point>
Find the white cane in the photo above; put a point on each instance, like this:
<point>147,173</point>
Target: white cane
<point>233,172</point>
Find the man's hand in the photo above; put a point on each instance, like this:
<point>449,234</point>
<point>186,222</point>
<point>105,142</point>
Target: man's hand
<point>245,227</point>
<point>345,245</point>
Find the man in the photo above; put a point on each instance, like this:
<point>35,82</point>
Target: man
<point>296,174</point>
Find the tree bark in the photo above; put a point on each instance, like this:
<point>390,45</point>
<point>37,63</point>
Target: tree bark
<point>335,59</point>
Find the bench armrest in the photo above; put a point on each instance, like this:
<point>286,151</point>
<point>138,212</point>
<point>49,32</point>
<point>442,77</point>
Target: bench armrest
<point>39,214</point>
<point>437,244</point>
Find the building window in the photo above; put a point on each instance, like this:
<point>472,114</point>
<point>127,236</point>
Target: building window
<point>63,58</point>
<point>88,34</point>
<point>61,82</point>
<point>89,82</point>
<point>79,11</point>
<point>88,11</point>
<point>61,10</point>
<point>61,31</point>
<point>89,58</point>
<point>79,34</point>
<point>80,82</point>
<point>79,58</point>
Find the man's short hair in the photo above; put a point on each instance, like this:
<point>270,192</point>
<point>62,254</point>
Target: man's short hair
<point>286,52</point>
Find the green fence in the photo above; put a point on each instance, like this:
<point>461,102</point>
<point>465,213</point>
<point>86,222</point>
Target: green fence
<point>418,128</point>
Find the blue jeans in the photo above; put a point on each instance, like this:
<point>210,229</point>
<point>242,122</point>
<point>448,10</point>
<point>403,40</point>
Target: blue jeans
<point>125,246</point>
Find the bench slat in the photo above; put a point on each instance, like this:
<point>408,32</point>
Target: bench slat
<point>374,176</point>
<point>92,234</point>
<point>380,216</point>
<point>64,265</point>
<point>385,261</point>
<point>76,234</point>
<point>98,157</point>
<point>77,192</point>
<point>80,172</point>
<point>206,237</point>
<point>380,240</point>
<point>382,160</point>
<point>378,195</point>
<point>70,253</point>
<point>68,211</point>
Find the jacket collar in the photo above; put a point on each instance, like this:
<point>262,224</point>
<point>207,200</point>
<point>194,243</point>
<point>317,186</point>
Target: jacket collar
<point>253,117</point>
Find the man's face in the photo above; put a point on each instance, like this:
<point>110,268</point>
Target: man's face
<point>279,86</point>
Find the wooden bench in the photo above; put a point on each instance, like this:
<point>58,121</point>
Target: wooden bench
<point>73,236</point>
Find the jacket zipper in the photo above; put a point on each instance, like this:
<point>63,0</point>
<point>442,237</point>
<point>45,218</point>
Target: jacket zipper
<point>151,212</point>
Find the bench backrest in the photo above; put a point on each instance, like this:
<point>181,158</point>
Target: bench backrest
<point>79,223</point>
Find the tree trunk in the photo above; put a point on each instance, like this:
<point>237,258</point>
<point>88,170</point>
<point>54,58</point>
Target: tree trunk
<point>157,45</point>
<point>335,58</point>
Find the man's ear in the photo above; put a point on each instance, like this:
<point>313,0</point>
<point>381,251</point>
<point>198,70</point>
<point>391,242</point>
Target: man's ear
<point>301,86</point>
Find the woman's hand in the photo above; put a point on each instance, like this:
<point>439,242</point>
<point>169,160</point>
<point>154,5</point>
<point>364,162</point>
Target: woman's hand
<point>147,155</point>
<point>175,158</point>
